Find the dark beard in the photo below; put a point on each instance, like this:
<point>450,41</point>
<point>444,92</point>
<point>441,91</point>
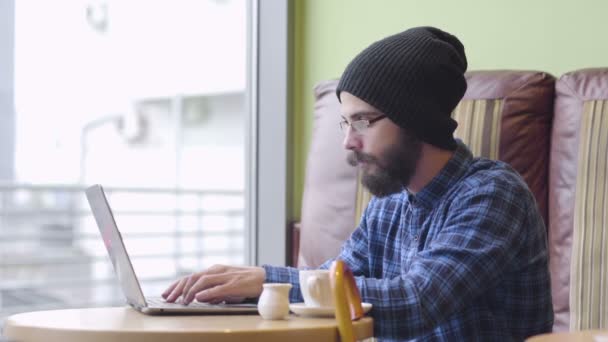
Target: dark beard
<point>394,171</point>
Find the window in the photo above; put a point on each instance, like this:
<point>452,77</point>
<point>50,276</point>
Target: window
<point>153,100</point>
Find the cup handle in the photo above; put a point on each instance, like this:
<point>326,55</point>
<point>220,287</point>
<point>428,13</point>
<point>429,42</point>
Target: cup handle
<point>314,287</point>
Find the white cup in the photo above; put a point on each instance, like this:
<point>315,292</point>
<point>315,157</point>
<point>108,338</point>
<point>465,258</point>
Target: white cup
<point>316,288</point>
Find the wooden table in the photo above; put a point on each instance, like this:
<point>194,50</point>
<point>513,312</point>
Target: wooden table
<point>125,324</point>
<point>574,336</point>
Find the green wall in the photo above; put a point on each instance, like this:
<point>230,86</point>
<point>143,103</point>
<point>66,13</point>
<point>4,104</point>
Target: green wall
<point>550,35</point>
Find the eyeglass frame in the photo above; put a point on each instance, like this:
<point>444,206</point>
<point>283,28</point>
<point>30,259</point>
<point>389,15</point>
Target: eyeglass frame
<point>358,126</point>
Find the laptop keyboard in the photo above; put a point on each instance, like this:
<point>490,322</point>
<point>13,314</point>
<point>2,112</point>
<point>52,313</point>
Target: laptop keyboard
<point>159,302</point>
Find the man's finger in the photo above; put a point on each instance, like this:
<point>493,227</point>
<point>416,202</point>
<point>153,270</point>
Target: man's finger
<point>219,292</point>
<point>189,282</point>
<point>170,289</point>
<point>177,291</point>
<point>205,282</point>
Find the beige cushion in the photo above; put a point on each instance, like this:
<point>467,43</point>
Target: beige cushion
<point>578,242</point>
<point>330,184</point>
<point>479,125</point>
<point>589,265</point>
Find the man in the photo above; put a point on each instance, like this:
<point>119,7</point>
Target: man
<point>451,247</point>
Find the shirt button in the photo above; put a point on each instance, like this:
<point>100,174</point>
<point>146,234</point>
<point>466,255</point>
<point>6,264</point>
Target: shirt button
<point>415,237</point>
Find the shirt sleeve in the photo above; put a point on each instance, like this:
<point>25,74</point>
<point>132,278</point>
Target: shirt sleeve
<point>279,274</point>
<point>481,236</point>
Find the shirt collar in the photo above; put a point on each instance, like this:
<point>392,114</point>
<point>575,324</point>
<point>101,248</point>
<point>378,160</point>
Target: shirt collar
<point>447,177</point>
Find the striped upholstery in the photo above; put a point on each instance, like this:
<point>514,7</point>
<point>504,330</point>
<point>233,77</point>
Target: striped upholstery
<point>589,264</point>
<point>479,125</point>
<point>578,197</point>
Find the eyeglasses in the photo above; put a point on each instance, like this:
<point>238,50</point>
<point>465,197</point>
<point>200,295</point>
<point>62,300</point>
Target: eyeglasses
<point>359,126</point>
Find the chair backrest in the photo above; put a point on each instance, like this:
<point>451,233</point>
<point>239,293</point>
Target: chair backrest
<point>506,115</point>
<point>330,184</point>
<point>578,201</point>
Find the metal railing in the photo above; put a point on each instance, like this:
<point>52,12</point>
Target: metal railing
<point>51,255</point>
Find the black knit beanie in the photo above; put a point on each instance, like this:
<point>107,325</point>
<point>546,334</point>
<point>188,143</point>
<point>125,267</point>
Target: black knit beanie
<point>416,78</point>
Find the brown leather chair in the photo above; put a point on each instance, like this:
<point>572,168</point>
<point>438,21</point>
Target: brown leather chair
<point>504,115</point>
<point>578,201</point>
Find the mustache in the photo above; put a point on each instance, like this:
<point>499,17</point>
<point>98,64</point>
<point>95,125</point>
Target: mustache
<point>354,158</point>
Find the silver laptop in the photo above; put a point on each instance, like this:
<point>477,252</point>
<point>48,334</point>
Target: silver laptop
<point>126,275</point>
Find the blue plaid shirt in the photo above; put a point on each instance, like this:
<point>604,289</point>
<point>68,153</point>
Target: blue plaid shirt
<point>465,259</point>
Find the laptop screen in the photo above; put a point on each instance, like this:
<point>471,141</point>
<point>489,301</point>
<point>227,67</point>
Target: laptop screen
<point>115,246</point>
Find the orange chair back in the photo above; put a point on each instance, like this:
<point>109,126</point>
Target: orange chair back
<point>346,299</point>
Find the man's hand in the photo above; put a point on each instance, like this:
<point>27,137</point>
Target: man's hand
<point>217,284</point>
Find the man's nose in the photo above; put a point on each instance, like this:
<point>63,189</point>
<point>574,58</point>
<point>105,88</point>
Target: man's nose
<point>352,141</point>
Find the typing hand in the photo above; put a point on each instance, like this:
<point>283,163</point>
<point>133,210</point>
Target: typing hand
<point>217,284</point>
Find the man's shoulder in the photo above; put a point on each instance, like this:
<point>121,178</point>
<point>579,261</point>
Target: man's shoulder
<point>493,175</point>
<point>494,181</point>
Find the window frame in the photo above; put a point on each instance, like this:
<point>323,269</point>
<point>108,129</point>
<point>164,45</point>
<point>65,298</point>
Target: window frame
<point>7,92</point>
<point>268,191</point>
